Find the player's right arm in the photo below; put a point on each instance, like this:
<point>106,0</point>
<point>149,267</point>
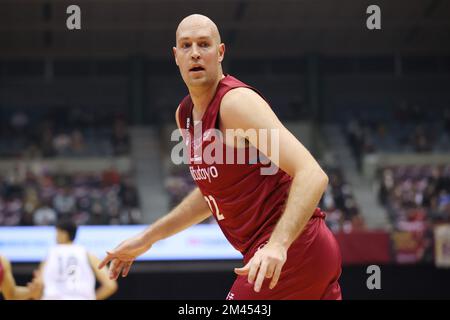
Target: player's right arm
<point>192,210</point>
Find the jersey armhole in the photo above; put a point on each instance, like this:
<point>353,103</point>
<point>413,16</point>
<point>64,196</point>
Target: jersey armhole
<point>216,125</point>
<point>178,116</point>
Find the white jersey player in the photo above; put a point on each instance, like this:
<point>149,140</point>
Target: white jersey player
<point>69,272</point>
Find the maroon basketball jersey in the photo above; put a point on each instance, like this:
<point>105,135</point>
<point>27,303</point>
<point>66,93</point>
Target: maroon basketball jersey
<point>246,204</point>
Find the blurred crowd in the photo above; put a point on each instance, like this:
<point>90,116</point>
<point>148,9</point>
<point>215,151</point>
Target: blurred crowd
<point>28,198</point>
<point>338,202</point>
<point>416,193</point>
<point>416,198</point>
<point>406,128</point>
<point>63,132</point>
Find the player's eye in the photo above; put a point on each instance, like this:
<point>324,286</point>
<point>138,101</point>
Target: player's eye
<point>185,45</point>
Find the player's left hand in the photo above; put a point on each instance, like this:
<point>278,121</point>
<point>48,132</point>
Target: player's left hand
<point>266,263</point>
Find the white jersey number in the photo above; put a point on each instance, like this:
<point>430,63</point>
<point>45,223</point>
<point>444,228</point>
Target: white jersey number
<point>68,270</point>
<point>216,211</point>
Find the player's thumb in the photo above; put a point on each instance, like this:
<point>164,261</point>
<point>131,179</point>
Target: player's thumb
<point>104,262</point>
<point>242,271</point>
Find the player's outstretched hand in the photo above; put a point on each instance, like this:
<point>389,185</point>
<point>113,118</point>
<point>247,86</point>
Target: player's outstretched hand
<point>36,286</point>
<point>266,263</point>
<point>123,256</point>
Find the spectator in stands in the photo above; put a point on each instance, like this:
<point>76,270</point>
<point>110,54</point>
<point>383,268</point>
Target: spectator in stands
<point>62,143</point>
<point>420,140</point>
<point>19,122</point>
<point>110,177</point>
<point>98,214</point>
<point>78,147</point>
<point>64,201</point>
<point>120,138</point>
<point>74,133</point>
<point>46,143</point>
<point>413,193</point>
<point>31,203</point>
<point>45,215</point>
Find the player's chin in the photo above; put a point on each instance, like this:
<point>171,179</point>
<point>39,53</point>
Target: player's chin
<point>197,80</point>
<point>197,75</point>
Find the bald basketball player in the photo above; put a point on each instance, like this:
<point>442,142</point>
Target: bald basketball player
<point>272,219</point>
<point>8,286</point>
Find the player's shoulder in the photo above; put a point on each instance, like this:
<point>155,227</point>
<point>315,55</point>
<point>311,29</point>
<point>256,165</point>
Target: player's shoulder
<point>236,94</point>
<point>240,101</point>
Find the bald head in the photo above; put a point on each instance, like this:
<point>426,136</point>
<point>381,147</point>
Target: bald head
<point>199,52</point>
<point>198,22</point>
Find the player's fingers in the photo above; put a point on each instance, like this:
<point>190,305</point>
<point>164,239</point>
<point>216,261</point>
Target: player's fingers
<point>253,270</point>
<point>126,268</point>
<point>270,271</point>
<point>244,270</point>
<point>112,265</point>
<point>114,268</point>
<point>276,276</point>
<point>261,275</point>
<point>118,269</point>
<point>106,260</point>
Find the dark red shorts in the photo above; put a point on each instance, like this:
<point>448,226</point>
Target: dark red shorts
<point>311,271</point>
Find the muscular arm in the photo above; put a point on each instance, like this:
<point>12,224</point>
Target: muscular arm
<point>192,210</point>
<point>243,108</point>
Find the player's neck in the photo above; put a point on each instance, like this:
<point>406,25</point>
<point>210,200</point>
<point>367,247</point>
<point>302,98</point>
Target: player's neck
<point>202,96</point>
<point>65,243</point>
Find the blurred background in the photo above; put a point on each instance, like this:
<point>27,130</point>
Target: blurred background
<point>86,117</point>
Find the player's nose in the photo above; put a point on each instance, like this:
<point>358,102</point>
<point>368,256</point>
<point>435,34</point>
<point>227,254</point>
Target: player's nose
<point>195,53</point>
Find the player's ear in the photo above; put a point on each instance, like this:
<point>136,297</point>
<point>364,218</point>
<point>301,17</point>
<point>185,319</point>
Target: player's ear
<point>221,51</point>
<point>174,50</point>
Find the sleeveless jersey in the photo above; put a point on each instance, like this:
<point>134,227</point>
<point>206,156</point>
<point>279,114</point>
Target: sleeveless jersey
<point>246,204</point>
<point>68,274</point>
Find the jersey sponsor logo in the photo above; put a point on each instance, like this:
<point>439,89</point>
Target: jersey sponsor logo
<point>207,173</point>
